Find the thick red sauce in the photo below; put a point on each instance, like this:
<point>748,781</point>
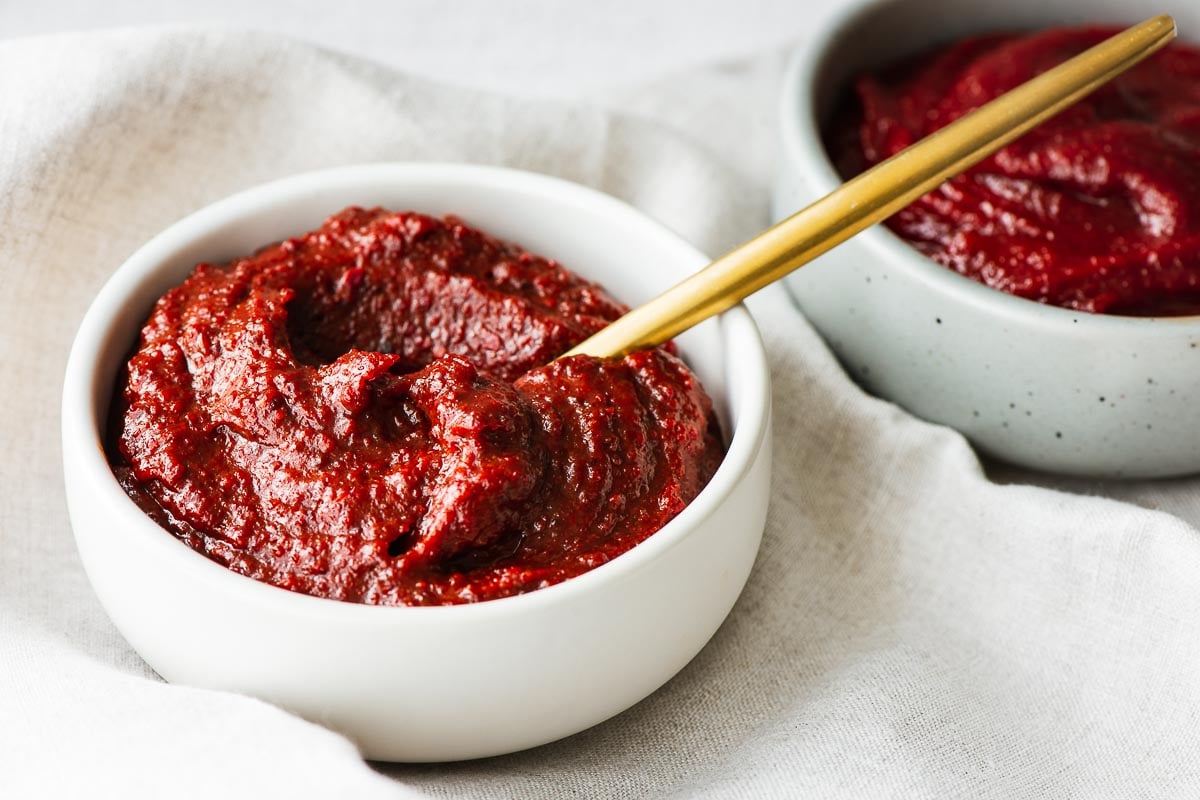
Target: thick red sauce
<point>366,413</point>
<point>1098,209</point>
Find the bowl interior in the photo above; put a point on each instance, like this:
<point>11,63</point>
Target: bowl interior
<point>590,233</point>
<point>873,33</point>
<point>879,33</point>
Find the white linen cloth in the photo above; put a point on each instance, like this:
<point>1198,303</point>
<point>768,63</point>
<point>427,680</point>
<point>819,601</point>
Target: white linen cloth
<point>911,628</point>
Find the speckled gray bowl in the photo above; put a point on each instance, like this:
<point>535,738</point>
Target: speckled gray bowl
<point>1034,385</point>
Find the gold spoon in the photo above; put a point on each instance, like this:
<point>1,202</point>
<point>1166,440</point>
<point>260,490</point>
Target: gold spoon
<point>875,195</point>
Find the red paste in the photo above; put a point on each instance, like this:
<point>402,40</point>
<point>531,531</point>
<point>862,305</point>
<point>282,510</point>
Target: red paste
<point>1098,209</point>
<point>366,413</point>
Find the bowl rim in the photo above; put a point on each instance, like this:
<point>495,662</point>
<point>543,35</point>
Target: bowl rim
<point>802,146</point>
<point>81,422</point>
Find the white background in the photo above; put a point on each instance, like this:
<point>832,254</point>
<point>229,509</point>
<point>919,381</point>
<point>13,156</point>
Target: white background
<point>533,47</point>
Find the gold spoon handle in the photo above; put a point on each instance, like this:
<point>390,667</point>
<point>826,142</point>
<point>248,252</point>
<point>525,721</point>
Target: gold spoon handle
<point>875,195</point>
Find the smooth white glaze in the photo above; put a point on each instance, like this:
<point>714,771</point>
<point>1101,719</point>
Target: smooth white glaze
<point>442,683</point>
<point>1035,385</point>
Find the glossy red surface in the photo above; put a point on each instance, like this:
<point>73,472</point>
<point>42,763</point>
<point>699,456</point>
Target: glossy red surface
<point>1098,209</point>
<point>364,413</point>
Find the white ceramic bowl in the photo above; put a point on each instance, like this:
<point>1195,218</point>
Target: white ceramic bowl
<point>1035,385</point>
<point>440,683</point>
